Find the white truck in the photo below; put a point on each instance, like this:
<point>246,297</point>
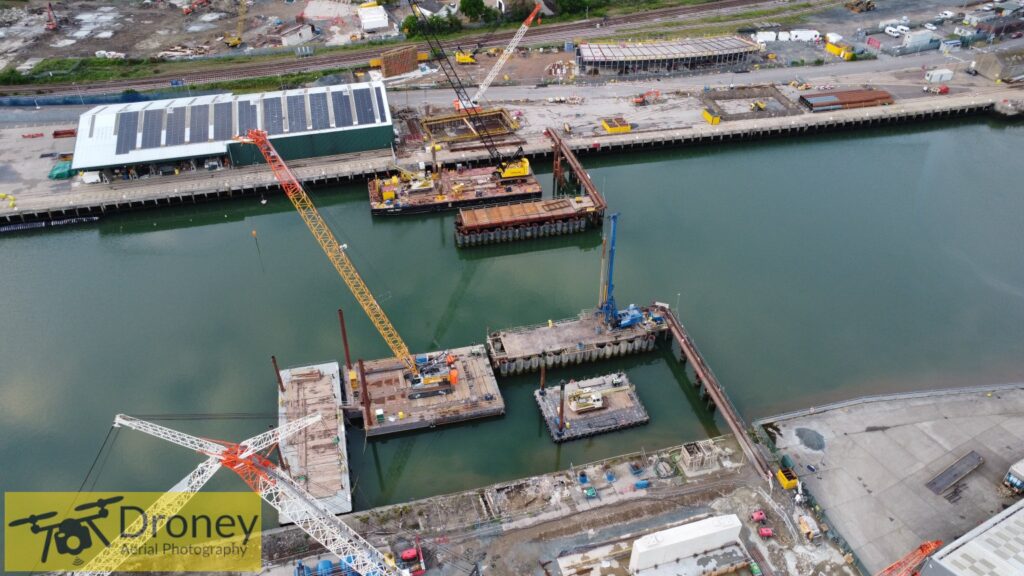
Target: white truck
<point>1014,479</point>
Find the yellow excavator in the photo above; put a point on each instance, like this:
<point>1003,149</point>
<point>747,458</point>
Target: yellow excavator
<point>235,40</point>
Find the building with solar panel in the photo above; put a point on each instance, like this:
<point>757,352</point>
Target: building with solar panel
<point>994,548</point>
<point>667,57</point>
<point>183,133</point>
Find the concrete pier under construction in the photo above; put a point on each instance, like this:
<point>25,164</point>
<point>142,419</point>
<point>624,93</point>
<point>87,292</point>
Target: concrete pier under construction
<point>585,338</point>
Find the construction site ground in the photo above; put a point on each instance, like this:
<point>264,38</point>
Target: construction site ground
<point>138,29</point>
<point>867,463</point>
<point>522,527</point>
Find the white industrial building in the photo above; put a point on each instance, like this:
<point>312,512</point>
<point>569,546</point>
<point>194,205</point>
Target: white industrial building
<point>302,123</point>
<point>668,547</point>
<point>995,548</point>
<point>373,19</point>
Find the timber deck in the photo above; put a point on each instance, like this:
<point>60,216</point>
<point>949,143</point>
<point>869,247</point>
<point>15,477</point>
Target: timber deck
<point>316,457</point>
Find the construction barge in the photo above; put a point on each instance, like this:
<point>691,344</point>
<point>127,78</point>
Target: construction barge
<point>316,457</point>
<point>448,189</point>
<point>577,206</point>
<point>391,403</point>
<point>585,408</point>
<point>586,338</point>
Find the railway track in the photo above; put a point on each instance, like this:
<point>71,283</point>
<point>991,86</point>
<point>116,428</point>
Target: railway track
<point>553,32</point>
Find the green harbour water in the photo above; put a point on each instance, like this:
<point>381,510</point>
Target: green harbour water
<point>807,270</point>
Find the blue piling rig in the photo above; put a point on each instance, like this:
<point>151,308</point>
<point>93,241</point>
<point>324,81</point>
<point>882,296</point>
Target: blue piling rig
<point>613,317</point>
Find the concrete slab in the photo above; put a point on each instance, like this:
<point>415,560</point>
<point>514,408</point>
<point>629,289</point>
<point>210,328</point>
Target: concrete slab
<point>879,453</point>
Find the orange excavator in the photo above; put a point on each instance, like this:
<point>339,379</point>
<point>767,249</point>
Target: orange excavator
<point>909,564</point>
<point>649,97</point>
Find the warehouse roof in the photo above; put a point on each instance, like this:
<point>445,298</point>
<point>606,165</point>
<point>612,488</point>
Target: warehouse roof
<point>992,549</point>
<point>690,48</point>
<point>160,130</point>
<point>373,18</point>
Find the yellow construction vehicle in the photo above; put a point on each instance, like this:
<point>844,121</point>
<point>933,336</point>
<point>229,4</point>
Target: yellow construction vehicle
<point>462,57</point>
<point>515,169</point>
<point>758,106</point>
<point>236,40</point>
<point>466,56</point>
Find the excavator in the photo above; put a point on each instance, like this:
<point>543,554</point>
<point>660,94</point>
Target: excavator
<point>508,168</point>
<point>466,56</point>
<point>235,40</point>
<point>649,97</point>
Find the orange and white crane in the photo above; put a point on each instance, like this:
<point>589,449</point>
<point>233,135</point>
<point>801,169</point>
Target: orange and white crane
<point>248,460</point>
<point>505,55</point>
<point>334,250</point>
<point>908,565</point>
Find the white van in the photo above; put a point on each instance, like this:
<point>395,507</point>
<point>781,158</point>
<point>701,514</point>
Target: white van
<point>903,29</point>
<point>892,32</point>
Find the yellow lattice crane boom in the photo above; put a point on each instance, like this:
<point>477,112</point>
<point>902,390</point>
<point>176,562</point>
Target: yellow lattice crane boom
<point>335,252</point>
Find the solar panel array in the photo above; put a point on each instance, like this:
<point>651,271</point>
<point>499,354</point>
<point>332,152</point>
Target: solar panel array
<point>380,103</point>
<point>364,105</point>
<point>199,124</point>
<point>127,130</point>
<point>223,122</point>
<point>167,127</point>
<point>342,109</point>
<point>297,113</point>
<point>152,128</point>
<point>273,118</point>
<point>247,114</point>
<point>175,126</point>
<point>318,111</point>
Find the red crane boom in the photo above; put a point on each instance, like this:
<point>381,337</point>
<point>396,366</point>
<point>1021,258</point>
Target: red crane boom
<point>907,566</point>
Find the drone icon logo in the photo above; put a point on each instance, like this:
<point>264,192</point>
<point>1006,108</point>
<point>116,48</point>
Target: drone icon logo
<point>71,536</point>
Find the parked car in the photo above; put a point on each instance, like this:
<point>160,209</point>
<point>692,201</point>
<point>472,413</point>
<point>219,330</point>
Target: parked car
<point>946,14</point>
<point>892,32</point>
<point>930,26</point>
<point>1016,35</point>
<point>903,29</point>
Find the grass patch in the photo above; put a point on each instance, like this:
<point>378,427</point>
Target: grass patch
<point>268,83</point>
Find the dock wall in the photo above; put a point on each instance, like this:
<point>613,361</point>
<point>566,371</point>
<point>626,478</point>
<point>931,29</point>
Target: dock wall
<point>93,200</point>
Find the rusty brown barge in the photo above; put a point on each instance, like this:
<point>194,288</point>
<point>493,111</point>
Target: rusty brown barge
<point>577,206</point>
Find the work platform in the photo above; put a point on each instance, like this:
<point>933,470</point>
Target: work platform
<point>591,407</point>
<point>573,341</point>
<point>316,457</point>
<point>417,193</point>
<point>391,404</point>
<point>577,206</point>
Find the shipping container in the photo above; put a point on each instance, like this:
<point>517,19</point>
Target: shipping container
<point>938,75</point>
